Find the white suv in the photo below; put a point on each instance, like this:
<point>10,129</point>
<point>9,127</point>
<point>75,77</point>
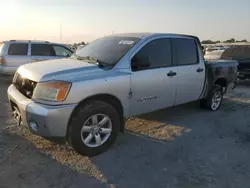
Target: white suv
<point>15,53</point>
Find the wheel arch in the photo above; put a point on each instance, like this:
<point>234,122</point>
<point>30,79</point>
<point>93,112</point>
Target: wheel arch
<point>221,82</point>
<point>110,99</point>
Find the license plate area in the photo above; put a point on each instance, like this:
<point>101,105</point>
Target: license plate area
<point>16,113</point>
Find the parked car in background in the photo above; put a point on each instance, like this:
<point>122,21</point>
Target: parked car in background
<point>242,55</point>
<point>87,97</point>
<point>210,49</point>
<point>15,53</point>
<point>214,55</point>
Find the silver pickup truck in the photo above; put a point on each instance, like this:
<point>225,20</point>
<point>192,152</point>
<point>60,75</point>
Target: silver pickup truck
<point>87,98</point>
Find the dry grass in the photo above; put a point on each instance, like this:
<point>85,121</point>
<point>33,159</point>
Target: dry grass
<point>155,129</point>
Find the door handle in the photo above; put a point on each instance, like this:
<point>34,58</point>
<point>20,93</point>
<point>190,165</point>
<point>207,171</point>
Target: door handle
<point>171,73</point>
<point>200,70</point>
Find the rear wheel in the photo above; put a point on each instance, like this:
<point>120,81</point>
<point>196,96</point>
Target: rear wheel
<point>214,99</point>
<point>94,128</point>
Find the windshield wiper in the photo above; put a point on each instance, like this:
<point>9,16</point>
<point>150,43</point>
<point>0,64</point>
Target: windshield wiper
<point>91,60</point>
<point>96,61</point>
<point>83,58</point>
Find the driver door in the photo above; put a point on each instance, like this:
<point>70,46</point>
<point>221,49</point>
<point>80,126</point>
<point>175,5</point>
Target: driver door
<point>154,79</point>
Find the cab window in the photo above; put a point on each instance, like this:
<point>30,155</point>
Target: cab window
<point>185,51</point>
<point>155,54</point>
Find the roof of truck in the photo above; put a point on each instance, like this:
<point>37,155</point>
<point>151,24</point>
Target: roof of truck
<point>137,35</point>
<point>142,35</point>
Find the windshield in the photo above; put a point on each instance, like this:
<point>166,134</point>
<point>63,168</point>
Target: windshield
<point>108,50</point>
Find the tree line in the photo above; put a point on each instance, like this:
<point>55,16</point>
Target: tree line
<point>232,40</point>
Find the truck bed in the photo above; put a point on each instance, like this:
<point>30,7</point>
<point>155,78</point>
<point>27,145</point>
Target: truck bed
<point>222,63</point>
<point>222,70</point>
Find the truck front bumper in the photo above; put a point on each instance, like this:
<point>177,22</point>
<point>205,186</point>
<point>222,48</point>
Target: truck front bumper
<point>42,120</point>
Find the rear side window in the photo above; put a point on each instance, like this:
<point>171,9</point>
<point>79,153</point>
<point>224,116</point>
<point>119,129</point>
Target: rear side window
<point>185,51</point>
<point>18,49</point>
<point>42,50</point>
<point>159,53</point>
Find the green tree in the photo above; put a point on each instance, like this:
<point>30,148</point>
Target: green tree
<point>232,40</point>
<point>208,42</point>
<point>244,40</point>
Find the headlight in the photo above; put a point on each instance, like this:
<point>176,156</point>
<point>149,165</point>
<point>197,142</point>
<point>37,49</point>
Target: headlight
<point>52,91</point>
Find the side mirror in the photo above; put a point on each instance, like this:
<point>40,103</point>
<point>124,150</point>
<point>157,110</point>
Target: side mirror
<point>140,63</point>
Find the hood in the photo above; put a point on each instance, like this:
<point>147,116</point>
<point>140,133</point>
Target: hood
<point>59,69</point>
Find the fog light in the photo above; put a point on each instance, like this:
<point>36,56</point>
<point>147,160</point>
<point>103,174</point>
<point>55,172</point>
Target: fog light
<point>33,126</point>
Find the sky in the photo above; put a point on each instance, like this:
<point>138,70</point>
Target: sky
<point>86,20</point>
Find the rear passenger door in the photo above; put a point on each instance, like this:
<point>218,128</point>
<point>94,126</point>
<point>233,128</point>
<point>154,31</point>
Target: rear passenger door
<point>153,87</point>
<point>42,52</point>
<point>17,54</point>
<point>190,70</point>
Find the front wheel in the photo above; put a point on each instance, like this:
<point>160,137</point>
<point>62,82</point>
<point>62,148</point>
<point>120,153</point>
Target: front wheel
<point>94,128</point>
<point>214,99</point>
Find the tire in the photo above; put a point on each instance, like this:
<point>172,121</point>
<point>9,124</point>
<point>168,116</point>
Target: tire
<point>83,120</point>
<point>209,102</point>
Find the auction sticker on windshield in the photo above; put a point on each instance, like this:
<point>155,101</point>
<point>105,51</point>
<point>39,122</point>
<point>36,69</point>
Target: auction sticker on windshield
<point>128,42</point>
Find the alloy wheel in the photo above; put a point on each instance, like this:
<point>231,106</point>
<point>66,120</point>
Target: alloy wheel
<point>216,100</point>
<point>96,130</point>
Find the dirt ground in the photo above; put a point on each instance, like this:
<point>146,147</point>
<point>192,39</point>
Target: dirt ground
<point>182,147</point>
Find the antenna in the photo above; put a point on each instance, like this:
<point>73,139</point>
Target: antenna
<point>61,33</point>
